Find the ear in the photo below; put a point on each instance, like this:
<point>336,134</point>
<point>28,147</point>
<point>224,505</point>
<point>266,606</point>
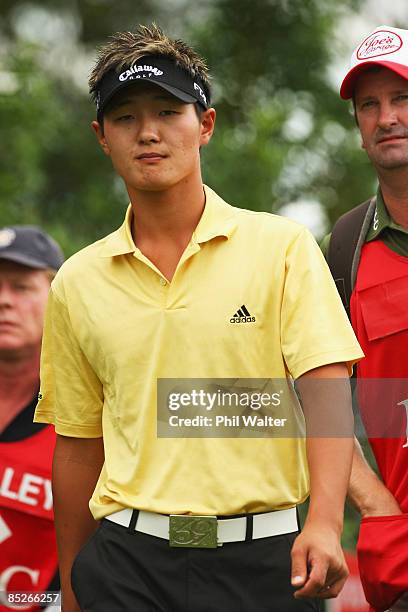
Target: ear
<point>98,129</point>
<point>207,121</point>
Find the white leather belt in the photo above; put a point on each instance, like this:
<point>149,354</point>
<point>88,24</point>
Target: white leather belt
<point>228,530</point>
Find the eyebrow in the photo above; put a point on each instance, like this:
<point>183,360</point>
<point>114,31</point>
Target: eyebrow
<point>395,92</point>
<point>367,97</point>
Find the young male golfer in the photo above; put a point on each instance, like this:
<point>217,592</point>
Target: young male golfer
<point>188,287</point>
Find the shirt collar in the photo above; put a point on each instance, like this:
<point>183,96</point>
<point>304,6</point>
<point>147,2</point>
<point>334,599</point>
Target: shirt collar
<point>218,219</point>
<point>382,220</point>
<point>120,242</point>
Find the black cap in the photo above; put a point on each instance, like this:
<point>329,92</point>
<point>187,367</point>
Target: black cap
<point>29,246</point>
<point>161,71</point>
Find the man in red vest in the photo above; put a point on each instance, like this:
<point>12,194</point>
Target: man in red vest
<point>29,259</point>
<point>368,255</point>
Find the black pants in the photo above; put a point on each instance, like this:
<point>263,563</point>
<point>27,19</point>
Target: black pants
<point>117,571</point>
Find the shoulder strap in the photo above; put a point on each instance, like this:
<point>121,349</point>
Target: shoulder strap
<point>346,241</point>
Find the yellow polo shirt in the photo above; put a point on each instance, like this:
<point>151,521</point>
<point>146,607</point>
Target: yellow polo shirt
<point>114,325</point>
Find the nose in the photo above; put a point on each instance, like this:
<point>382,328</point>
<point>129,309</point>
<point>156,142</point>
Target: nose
<point>148,131</point>
<point>6,296</point>
<point>387,117</point>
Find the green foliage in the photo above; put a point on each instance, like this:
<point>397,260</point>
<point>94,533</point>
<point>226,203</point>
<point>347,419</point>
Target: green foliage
<point>54,174</point>
<point>270,64</point>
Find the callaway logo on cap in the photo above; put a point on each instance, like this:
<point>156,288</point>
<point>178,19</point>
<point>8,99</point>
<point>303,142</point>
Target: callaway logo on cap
<point>161,71</point>
<point>387,47</point>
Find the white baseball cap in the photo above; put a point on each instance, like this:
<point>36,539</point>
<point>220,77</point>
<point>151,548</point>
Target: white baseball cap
<point>385,46</point>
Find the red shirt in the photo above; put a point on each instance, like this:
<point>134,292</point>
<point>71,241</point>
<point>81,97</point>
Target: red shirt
<point>379,312</point>
<point>28,554</point>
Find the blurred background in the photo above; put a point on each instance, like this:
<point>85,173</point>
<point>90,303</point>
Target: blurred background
<point>284,140</point>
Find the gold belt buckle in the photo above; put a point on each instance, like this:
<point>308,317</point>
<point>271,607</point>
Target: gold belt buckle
<point>193,531</point>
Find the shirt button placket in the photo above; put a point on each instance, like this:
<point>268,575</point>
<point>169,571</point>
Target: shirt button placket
<point>164,288</point>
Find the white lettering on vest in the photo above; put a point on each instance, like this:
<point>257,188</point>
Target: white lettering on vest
<point>28,491</point>
<point>5,531</point>
<point>29,484</point>
<point>5,484</point>
<point>5,578</point>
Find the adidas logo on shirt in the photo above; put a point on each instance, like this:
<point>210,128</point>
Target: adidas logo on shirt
<point>242,316</point>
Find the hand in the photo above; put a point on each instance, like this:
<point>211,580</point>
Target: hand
<point>318,565</point>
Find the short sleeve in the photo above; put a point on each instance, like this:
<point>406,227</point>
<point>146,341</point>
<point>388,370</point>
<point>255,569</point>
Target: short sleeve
<point>71,395</point>
<point>315,329</point>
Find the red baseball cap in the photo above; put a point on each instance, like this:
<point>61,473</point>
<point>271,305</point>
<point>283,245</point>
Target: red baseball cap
<point>385,46</point>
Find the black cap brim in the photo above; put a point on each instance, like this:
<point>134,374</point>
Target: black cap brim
<point>177,93</point>
<point>24,261</point>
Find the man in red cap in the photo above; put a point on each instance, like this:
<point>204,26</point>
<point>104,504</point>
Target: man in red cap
<point>368,255</point>
<point>29,258</point>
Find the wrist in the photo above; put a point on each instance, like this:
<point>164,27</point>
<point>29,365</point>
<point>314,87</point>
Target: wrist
<point>324,522</point>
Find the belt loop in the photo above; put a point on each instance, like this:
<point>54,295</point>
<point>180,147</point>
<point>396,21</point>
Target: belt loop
<point>249,527</point>
<point>132,523</point>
